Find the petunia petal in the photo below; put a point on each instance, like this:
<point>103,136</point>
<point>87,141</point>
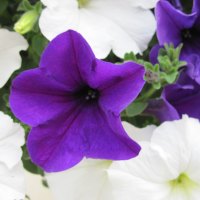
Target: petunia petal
<point>162,160</point>
<point>119,85</point>
<point>57,3</point>
<point>194,162</point>
<point>128,187</point>
<point>69,59</point>
<point>193,68</point>
<point>11,140</point>
<point>12,182</point>
<point>195,194</point>
<point>170,22</point>
<point>115,30</point>
<point>196,9</point>
<point>186,131</point>
<point>86,181</point>
<point>135,28</point>
<point>184,98</point>
<point>139,134</point>
<point>98,37</point>
<point>162,110</point>
<point>63,19</point>
<point>11,44</point>
<point>190,137</point>
<point>147,4</point>
<point>153,56</point>
<point>146,167</point>
<point>63,142</point>
<point>37,97</point>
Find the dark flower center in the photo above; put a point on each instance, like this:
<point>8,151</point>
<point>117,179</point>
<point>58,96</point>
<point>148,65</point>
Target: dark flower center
<point>176,4</point>
<point>91,95</point>
<point>189,34</point>
<point>88,94</point>
<point>183,5</point>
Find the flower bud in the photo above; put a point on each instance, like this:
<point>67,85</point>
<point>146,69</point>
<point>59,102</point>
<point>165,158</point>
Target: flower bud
<point>26,22</point>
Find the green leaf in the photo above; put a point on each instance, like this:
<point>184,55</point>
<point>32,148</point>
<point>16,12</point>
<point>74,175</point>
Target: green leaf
<point>25,6</point>
<point>149,66</point>
<point>38,7</point>
<point>3,6</point>
<point>170,78</point>
<point>157,85</point>
<point>130,56</point>
<point>45,183</point>
<point>38,44</point>
<point>28,165</point>
<point>136,108</point>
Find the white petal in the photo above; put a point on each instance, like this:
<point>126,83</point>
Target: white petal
<point>125,29</point>
<point>195,194</point>
<point>55,21</point>
<point>60,3</point>
<point>193,168</point>
<point>148,4</point>
<point>128,187</point>
<point>178,138</point>
<point>95,33</point>
<point>174,149</point>
<point>139,134</point>
<point>135,23</point>
<point>152,165</point>
<point>179,194</point>
<point>86,181</point>
<point>11,44</point>
<point>12,183</point>
<point>11,140</point>
<point>35,189</point>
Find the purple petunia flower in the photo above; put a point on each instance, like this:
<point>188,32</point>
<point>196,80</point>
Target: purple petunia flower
<point>179,98</point>
<point>175,26</point>
<point>193,68</point>
<point>73,103</point>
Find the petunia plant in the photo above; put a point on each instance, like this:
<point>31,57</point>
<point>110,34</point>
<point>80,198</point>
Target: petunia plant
<point>107,93</point>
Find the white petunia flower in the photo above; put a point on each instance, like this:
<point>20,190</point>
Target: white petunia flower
<point>119,25</point>
<point>11,140</point>
<point>12,184</point>
<point>144,3</point>
<point>86,181</point>
<point>11,44</point>
<point>168,167</point>
<point>89,179</point>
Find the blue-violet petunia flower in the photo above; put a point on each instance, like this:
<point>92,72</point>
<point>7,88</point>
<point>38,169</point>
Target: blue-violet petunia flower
<point>73,103</point>
<point>175,26</point>
<point>177,99</point>
<point>193,68</point>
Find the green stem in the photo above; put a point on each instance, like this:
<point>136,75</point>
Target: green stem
<point>147,95</point>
